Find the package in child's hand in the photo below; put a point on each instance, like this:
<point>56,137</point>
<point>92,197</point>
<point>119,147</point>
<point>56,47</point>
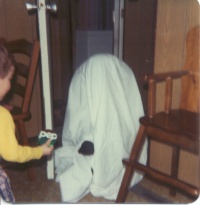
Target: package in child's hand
<point>45,135</point>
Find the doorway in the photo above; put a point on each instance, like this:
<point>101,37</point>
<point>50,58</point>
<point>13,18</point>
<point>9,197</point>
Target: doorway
<point>80,29</point>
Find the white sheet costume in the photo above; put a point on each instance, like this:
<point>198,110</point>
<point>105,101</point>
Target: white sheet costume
<point>104,107</point>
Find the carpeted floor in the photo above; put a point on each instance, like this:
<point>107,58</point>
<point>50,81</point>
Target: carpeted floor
<point>43,190</point>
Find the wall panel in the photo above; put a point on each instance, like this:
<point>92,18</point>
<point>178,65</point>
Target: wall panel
<point>174,20</point>
<point>2,19</point>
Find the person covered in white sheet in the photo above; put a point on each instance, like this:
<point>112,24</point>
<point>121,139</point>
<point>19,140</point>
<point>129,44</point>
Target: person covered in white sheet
<point>101,123</point>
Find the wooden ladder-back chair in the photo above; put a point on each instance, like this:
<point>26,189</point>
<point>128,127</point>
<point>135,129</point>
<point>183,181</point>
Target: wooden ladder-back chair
<point>26,55</point>
<point>178,128</point>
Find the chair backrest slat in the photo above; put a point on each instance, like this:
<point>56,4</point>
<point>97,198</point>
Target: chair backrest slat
<point>151,98</point>
<point>168,94</point>
<point>190,84</point>
<point>26,55</point>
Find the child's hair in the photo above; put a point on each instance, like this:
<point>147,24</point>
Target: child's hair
<point>6,61</point>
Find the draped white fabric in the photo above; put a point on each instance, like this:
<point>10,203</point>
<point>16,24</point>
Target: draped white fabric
<point>104,107</point>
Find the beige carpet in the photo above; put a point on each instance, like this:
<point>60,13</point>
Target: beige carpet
<point>43,190</point>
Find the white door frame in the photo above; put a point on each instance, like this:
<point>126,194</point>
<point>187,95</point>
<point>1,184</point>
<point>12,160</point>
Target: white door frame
<point>46,75</point>
<point>118,20</point>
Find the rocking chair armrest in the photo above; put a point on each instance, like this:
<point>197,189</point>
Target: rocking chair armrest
<point>166,77</point>
<point>160,77</point>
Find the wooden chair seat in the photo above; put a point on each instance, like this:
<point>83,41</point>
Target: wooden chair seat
<point>17,114</point>
<point>175,128</point>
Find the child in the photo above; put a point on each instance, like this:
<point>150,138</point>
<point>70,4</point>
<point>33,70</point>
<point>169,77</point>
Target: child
<point>10,150</point>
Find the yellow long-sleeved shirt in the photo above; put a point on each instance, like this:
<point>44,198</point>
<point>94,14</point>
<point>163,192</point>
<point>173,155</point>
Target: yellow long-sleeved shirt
<point>10,150</point>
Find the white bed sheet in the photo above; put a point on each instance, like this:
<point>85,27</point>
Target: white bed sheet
<point>104,107</point>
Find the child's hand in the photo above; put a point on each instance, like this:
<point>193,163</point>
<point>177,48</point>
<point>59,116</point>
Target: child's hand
<point>47,148</point>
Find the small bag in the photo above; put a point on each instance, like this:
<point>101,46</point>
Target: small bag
<point>5,187</point>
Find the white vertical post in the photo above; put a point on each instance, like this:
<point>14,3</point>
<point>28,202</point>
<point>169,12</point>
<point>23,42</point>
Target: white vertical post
<point>118,20</point>
<point>46,76</point>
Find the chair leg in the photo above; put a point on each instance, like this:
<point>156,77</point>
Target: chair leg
<point>24,141</point>
<point>124,188</point>
<point>148,151</point>
<point>174,166</point>
<point>22,136</point>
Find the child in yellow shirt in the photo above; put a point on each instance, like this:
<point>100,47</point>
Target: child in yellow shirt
<point>10,150</point>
